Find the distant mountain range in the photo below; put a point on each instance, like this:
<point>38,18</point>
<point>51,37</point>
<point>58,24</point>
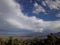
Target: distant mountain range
<point>57,34</point>
<point>39,34</point>
<point>27,33</point>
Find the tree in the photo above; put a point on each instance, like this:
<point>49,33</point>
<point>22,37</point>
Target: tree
<point>15,42</point>
<point>0,41</point>
<point>9,41</point>
<point>52,38</point>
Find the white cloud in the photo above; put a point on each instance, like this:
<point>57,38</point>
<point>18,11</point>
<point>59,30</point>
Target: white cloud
<point>38,8</point>
<point>44,3</point>
<point>54,26</point>
<point>58,15</point>
<point>51,4</point>
<point>18,24</point>
<point>12,17</point>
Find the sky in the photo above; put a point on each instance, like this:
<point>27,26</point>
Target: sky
<point>19,17</point>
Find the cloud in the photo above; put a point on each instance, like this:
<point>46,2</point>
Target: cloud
<point>11,17</point>
<point>58,15</point>
<point>50,4</point>
<point>38,8</point>
<point>54,26</point>
<point>53,4</point>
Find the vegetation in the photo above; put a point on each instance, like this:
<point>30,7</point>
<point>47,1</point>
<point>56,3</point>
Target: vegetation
<point>50,40</point>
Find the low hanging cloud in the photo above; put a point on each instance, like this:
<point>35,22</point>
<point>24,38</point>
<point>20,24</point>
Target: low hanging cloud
<point>11,17</point>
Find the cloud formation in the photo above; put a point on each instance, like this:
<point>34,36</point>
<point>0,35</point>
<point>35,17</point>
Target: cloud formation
<point>11,17</point>
<point>45,5</point>
<point>38,8</point>
<point>53,4</point>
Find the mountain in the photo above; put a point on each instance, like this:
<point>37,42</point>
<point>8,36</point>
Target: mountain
<point>57,34</point>
<point>28,33</point>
